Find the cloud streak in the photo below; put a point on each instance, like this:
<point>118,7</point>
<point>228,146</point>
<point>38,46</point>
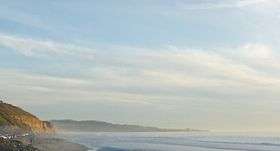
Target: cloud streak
<point>164,72</point>
<point>223,4</point>
<point>39,48</point>
<point>165,79</point>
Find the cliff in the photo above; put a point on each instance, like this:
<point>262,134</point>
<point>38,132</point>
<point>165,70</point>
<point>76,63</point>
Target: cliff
<point>13,116</point>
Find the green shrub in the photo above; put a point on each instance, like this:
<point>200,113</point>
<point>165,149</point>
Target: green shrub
<point>2,120</point>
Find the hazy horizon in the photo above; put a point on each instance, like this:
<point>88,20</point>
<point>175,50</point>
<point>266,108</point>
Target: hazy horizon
<point>210,64</point>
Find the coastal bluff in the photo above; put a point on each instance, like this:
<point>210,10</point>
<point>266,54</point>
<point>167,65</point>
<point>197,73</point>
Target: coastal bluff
<point>13,116</point>
<point>22,131</point>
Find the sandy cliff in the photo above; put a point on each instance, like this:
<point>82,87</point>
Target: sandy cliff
<point>16,117</point>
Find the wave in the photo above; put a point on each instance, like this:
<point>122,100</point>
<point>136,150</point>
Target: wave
<point>119,149</point>
<point>241,143</point>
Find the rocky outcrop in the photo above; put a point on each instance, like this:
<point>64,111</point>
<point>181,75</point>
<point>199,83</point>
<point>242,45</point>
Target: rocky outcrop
<point>17,117</point>
<point>14,145</point>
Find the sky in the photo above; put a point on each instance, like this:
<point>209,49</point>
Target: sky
<point>204,64</point>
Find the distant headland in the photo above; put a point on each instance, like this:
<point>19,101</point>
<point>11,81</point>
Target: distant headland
<point>100,126</point>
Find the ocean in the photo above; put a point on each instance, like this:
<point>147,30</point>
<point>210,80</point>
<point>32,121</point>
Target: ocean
<point>188,141</point>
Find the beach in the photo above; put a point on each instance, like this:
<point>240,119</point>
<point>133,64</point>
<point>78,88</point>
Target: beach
<point>55,144</point>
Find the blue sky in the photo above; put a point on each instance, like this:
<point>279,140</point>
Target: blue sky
<point>208,64</point>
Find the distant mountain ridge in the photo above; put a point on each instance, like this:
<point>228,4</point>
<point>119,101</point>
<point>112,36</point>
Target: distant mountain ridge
<point>100,126</point>
<point>12,116</point>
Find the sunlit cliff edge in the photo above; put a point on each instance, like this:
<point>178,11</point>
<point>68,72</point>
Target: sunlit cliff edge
<point>13,116</point>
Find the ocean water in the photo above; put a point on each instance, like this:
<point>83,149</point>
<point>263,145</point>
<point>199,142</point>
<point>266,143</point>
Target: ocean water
<point>192,141</point>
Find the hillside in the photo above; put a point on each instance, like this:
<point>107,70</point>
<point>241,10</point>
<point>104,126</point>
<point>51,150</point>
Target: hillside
<point>99,126</point>
<point>13,116</point>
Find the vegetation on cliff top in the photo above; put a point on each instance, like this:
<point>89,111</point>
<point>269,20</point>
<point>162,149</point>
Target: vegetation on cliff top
<point>2,121</point>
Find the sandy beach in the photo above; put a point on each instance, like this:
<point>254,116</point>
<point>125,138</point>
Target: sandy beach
<point>54,144</point>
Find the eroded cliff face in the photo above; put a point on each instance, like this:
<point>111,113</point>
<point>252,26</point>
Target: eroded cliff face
<point>16,117</point>
<point>33,123</point>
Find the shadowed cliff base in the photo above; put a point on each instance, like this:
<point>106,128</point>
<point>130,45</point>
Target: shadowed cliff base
<point>14,145</point>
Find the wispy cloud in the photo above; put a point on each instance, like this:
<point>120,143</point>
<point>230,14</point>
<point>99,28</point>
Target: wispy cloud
<point>161,73</point>
<point>44,48</point>
<point>222,4</point>
<point>166,78</point>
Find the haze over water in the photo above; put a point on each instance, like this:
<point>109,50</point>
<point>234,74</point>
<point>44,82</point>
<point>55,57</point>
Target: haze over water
<point>192,141</point>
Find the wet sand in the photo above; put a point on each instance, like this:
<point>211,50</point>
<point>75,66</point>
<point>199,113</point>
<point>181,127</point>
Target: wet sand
<point>54,144</point>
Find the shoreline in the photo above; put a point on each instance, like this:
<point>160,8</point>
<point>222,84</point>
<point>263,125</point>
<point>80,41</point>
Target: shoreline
<point>57,144</point>
<point>41,144</point>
